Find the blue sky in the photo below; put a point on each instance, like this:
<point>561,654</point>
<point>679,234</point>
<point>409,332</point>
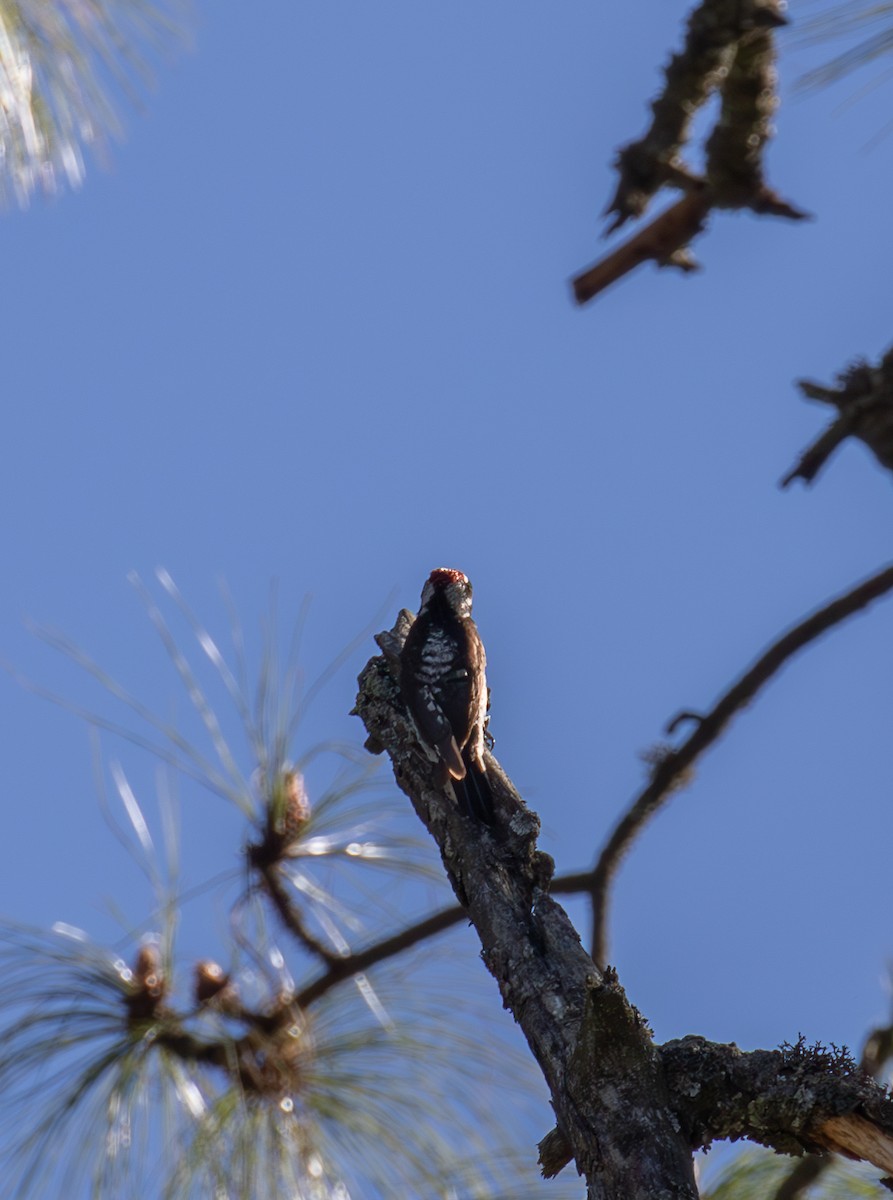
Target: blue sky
<point>313,324</point>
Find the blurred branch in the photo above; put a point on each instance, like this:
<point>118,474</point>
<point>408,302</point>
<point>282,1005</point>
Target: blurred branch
<point>275,889</point>
<point>670,771</point>
<point>863,398</point>
<point>262,1060</point>
<point>341,969</point>
<point>802,1176</point>
<point>664,240</point>
<point>362,960</point>
<point>713,33</point>
<point>729,47</point>
<point>287,812</point>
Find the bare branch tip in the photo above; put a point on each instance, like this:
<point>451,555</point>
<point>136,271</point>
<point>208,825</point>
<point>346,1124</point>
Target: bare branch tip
<point>681,718</point>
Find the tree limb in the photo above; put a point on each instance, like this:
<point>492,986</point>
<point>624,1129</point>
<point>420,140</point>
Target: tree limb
<point>545,977</point>
<point>271,882</point>
<point>729,46</point>
<point>672,767</point>
<point>864,400</point>
<point>799,1098</point>
<point>712,34</point>
<point>876,1053</point>
<point>628,1112</point>
<point>664,240</point>
<point>364,960</point>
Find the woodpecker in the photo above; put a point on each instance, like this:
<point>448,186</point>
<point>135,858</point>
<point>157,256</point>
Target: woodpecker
<point>443,682</point>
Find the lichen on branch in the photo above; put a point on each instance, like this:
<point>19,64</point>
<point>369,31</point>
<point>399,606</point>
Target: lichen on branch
<point>729,48</point>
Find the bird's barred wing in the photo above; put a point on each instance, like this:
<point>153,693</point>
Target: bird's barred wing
<point>432,723</point>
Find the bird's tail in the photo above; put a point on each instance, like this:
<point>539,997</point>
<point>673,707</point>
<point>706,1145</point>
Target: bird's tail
<point>474,793</point>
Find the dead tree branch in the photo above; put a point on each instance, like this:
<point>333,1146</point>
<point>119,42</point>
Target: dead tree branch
<point>673,766</point>
<point>863,398</point>
<point>799,1098</point>
<point>713,32</point>
<point>629,1112</point>
<point>664,241</point>
<point>729,47</point>
<point>545,977</point>
<point>876,1053</point>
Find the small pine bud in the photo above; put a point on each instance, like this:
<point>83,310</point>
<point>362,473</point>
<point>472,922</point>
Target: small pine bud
<point>287,813</point>
<point>149,983</point>
<point>210,980</point>
<point>213,987</point>
<point>147,970</point>
<point>297,807</point>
